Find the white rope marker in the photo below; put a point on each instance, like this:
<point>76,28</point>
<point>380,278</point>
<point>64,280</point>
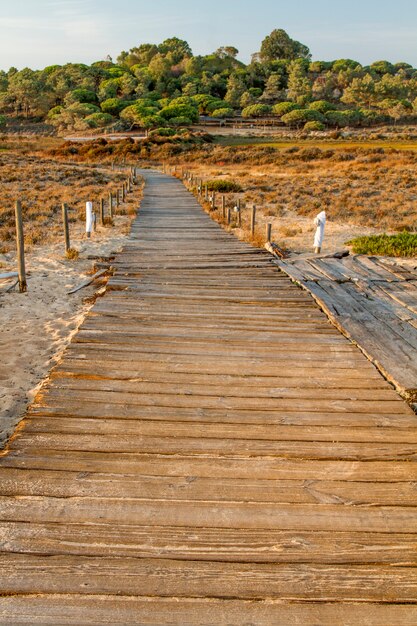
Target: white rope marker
<point>89,219</point>
<point>319,221</point>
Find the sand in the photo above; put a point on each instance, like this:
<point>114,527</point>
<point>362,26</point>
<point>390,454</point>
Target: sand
<point>35,327</point>
<point>296,232</point>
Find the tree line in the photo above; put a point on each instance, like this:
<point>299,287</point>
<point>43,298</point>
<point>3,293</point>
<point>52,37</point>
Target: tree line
<point>165,85</point>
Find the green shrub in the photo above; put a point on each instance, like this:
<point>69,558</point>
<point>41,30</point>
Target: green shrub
<point>322,106</point>
<point>222,113</point>
<point>403,244</point>
<point>301,116</point>
<point>163,132</point>
<point>282,108</point>
<point>114,106</point>
<point>224,186</point>
<point>311,126</point>
<point>181,120</point>
<point>256,110</point>
<point>98,120</point>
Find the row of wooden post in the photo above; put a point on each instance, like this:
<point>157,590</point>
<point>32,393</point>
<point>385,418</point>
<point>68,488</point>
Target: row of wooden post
<point>194,181</point>
<point>119,197</point>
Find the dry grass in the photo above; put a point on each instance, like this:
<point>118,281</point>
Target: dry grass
<point>374,188</point>
<point>43,184</point>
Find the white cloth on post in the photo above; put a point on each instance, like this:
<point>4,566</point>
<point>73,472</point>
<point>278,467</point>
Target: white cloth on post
<point>89,217</point>
<point>319,221</point>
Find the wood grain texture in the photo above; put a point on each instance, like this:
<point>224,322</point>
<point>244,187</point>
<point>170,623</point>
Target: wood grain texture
<point>210,450</point>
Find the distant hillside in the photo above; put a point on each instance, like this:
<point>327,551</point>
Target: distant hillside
<point>164,85</point>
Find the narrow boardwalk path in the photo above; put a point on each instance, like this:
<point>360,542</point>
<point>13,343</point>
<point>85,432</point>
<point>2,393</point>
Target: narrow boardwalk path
<point>209,451</point>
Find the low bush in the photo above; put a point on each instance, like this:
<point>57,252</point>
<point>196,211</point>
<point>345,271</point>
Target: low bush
<point>312,126</point>
<point>403,244</point>
<point>224,186</point>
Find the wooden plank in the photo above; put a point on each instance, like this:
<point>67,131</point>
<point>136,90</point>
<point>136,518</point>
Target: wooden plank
<point>91,575</point>
<point>213,467</point>
<point>105,485</point>
<point>308,416</point>
<point>64,610</point>
<point>272,432</point>
<point>208,544</point>
<point>197,445</point>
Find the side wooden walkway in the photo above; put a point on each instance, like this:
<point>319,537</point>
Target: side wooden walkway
<point>210,451</point>
<point>373,302</point>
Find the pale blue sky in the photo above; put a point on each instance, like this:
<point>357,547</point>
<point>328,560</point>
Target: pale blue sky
<point>37,33</point>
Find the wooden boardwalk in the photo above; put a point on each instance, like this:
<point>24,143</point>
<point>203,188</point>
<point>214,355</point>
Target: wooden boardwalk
<point>210,451</point>
<point>372,301</point>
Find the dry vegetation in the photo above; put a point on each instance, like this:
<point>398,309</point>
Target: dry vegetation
<point>373,189</point>
<point>42,184</point>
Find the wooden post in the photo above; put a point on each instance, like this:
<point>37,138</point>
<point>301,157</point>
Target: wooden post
<point>206,192</point>
<point>253,221</point>
<point>20,243</point>
<point>102,211</point>
<point>239,213</point>
<point>123,193</point>
<point>110,204</point>
<point>213,200</point>
<point>268,232</point>
<point>66,227</point>
<point>117,197</point>
<point>228,215</point>
<point>223,204</point>
<point>128,185</point>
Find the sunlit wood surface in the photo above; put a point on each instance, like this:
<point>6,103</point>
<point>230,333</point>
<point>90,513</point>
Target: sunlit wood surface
<point>210,451</point>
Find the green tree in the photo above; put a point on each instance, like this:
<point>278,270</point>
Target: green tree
<point>26,93</point>
<point>279,45</point>
<point>176,49</point>
<point>299,86</point>
<point>273,89</point>
<point>361,91</point>
<point>236,87</point>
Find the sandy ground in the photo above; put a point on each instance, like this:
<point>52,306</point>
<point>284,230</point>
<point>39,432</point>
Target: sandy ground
<point>296,233</point>
<point>35,327</point>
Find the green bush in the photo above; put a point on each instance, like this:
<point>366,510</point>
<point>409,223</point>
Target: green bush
<point>163,132</point>
<point>282,108</point>
<point>256,110</point>
<point>311,126</point>
<point>403,244</point>
<point>99,120</point>
<point>322,106</point>
<point>114,106</point>
<point>222,113</point>
<point>301,116</point>
<point>224,186</point>
<point>181,120</point>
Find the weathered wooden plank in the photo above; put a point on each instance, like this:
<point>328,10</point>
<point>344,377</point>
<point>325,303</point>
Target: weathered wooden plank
<point>288,401</point>
<point>51,483</point>
<point>206,544</point>
<point>191,387</point>
<point>86,575</point>
<point>197,445</point>
<point>177,428</point>
<point>65,610</point>
<point>212,467</point>
<point>309,416</point>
